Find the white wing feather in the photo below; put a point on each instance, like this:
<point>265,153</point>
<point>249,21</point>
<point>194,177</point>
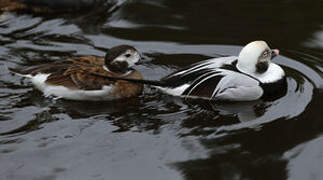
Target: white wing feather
<point>237,87</point>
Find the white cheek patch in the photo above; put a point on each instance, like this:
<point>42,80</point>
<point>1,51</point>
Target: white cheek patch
<point>134,59</point>
<point>120,58</point>
<point>130,60</point>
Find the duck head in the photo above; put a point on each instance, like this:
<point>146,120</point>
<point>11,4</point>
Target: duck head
<point>120,59</point>
<point>255,58</point>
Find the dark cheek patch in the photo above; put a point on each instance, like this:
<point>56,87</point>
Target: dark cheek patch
<point>118,67</point>
<point>261,67</point>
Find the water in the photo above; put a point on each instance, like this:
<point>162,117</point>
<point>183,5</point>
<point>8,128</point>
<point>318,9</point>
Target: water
<point>156,136</point>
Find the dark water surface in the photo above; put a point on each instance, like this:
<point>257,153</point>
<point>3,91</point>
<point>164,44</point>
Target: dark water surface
<point>156,136</point>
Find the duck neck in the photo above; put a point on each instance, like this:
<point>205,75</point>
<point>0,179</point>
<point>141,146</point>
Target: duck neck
<point>273,74</point>
<point>119,73</point>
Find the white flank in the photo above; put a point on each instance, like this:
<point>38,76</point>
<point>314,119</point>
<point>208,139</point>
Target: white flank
<point>89,95</point>
<point>39,81</point>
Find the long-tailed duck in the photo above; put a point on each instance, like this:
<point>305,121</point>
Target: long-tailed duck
<point>82,78</point>
<point>250,76</point>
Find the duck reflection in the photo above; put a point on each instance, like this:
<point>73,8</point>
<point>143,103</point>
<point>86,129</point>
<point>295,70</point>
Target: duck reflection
<point>76,109</point>
<point>244,111</point>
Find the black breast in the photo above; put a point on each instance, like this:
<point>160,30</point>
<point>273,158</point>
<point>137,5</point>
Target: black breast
<point>275,90</point>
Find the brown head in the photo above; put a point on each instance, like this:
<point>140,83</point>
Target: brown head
<point>120,59</point>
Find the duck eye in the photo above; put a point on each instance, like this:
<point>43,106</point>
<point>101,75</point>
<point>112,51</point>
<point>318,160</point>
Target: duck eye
<point>127,55</point>
<point>265,54</point>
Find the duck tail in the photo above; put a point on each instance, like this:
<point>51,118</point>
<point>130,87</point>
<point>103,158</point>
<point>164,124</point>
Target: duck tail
<point>13,70</point>
<point>19,72</point>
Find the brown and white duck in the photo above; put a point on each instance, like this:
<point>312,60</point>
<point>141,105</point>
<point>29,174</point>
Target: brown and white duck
<point>83,78</point>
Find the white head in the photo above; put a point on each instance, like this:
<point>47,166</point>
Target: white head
<point>255,58</point>
<point>121,58</point>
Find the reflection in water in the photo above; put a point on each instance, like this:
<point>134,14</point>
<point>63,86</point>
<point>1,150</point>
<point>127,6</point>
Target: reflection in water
<point>305,160</point>
<point>316,41</point>
<point>245,111</point>
<point>156,136</point>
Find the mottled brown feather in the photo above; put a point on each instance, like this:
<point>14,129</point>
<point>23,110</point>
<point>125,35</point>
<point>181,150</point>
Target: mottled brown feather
<point>88,60</point>
<point>128,89</point>
<point>63,65</point>
<point>60,80</point>
<point>81,77</point>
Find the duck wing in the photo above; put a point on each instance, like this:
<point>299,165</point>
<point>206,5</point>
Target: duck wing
<point>73,73</point>
<point>222,84</point>
<point>81,77</point>
<point>61,66</point>
<point>87,60</point>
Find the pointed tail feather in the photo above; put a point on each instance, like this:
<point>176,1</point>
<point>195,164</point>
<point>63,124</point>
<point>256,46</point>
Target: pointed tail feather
<point>20,72</point>
<point>16,71</point>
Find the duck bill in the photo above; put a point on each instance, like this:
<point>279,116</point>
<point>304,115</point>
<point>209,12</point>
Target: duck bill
<point>141,61</point>
<point>274,53</point>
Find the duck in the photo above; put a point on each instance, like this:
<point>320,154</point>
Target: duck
<point>249,76</point>
<point>83,78</point>
<point>47,5</point>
